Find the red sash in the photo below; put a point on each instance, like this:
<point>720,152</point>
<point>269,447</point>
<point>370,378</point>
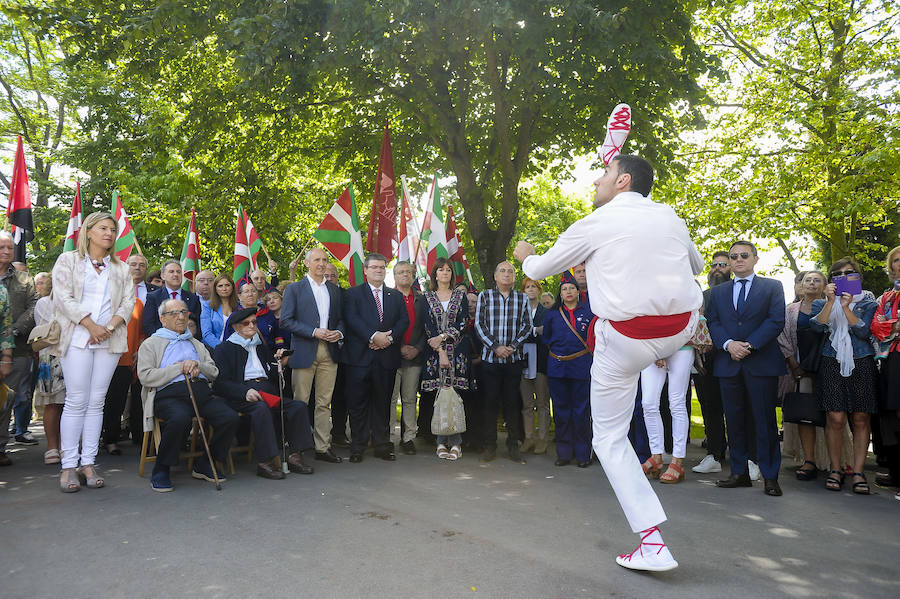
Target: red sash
<point>652,327</point>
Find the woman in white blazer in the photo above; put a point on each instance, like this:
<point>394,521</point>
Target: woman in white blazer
<point>93,297</point>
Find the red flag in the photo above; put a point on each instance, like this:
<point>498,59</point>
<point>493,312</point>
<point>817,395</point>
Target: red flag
<point>74,221</point>
<point>382,237</point>
<point>456,250</point>
<point>18,210</point>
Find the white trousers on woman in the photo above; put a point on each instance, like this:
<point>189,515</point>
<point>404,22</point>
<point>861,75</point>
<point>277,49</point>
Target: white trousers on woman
<point>678,369</point>
<point>618,362</point>
<point>87,373</point>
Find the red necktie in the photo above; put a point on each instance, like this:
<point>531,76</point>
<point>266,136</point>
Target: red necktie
<point>378,305</point>
<point>174,295</point>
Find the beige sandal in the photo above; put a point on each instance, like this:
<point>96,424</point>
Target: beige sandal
<point>90,477</point>
<point>51,456</point>
<point>442,452</point>
<point>68,481</point>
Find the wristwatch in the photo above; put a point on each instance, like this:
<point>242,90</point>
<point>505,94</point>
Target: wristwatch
<point>390,340</point>
<point>110,328</point>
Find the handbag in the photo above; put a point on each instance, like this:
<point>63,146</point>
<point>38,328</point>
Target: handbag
<point>449,416</point>
<point>701,339</point>
<point>802,408</point>
<point>44,335</point>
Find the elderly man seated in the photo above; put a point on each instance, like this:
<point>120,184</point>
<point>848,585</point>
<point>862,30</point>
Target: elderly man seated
<point>246,371</point>
<point>163,360</point>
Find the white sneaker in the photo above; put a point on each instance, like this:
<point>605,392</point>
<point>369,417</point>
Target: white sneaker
<point>708,465</point>
<point>752,470</point>
<point>653,557</point>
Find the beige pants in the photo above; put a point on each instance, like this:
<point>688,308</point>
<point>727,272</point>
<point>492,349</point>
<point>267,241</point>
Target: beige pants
<point>324,372</point>
<point>406,389</point>
<point>536,397</point>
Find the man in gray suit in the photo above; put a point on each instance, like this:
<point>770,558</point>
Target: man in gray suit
<point>311,311</point>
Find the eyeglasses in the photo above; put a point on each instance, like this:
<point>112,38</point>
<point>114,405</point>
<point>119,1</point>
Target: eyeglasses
<point>843,272</point>
<point>247,323</point>
<point>742,255</point>
<point>719,264</point>
<point>175,313</point>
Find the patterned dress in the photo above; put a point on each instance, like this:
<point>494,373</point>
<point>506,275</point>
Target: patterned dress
<point>453,323</point>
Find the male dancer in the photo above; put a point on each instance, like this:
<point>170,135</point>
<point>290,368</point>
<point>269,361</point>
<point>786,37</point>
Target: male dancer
<point>640,265</point>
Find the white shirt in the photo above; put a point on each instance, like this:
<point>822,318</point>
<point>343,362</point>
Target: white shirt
<point>323,300</point>
<point>140,291</point>
<point>639,259</point>
<point>254,368</point>
<point>95,300</point>
<point>736,292</point>
<point>169,292</point>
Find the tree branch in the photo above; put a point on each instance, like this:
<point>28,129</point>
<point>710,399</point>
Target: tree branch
<point>789,255</point>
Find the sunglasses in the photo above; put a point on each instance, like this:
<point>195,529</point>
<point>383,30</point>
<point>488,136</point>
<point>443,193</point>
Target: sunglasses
<point>247,323</point>
<point>742,255</point>
<point>719,264</point>
<point>843,272</point>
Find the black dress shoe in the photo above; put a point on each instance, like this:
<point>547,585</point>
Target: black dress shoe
<point>297,465</point>
<point>355,458</point>
<point>734,481</point>
<point>561,462</point>
<point>342,442</point>
<point>584,464</point>
<point>488,454</point>
<point>772,487</point>
<point>329,456</point>
<point>515,455</point>
<point>408,447</point>
<point>268,470</point>
<point>387,455</point>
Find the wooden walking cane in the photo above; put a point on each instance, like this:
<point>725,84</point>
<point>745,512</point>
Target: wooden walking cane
<point>212,462</point>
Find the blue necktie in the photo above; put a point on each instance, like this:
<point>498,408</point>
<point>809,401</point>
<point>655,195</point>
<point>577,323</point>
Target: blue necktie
<point>742,295</point>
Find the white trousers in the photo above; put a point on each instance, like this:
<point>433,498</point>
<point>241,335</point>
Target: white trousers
<point>678,369</point>
<point>618,362</point>
<point>87,373</point>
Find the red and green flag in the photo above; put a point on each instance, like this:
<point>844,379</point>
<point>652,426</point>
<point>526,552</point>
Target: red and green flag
<point>125,238</point>
<point>190,254</point>
<point>74,221</point>
<point>457,252</point>
<point>434,230</point>
<point>247,245</point>
<point>339,232</point>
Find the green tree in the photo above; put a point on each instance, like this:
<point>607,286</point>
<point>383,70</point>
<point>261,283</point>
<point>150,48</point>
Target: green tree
<point>802,140</point>
<point>492,91</point>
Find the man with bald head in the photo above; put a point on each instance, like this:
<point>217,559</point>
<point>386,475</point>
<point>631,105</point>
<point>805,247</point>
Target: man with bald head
<point>312,312</point>
<point>203,286</point>
<point>502,323</point>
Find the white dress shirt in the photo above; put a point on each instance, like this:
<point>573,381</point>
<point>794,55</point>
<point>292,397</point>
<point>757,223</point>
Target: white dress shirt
<point>323,300</point>
<point>96,300</point>
<point>140,291</point>
<point>639,259</point>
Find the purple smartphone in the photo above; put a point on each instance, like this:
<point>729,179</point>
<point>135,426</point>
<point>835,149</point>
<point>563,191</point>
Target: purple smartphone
<point>851,284</point>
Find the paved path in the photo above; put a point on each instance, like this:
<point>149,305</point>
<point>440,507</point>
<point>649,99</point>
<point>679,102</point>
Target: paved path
<point>420,527</point>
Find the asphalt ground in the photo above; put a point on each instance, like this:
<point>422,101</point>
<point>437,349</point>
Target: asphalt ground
<point>424,527</point>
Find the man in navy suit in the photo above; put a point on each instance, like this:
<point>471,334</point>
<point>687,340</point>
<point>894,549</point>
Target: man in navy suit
<point>311,311</point>
<point>376,318</point>
<point>171,289</point>
<point>745,317</point>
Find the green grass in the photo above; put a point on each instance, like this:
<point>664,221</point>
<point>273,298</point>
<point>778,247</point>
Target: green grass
<point>697,417</point>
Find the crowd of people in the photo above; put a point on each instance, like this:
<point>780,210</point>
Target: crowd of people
<point>303,368</point>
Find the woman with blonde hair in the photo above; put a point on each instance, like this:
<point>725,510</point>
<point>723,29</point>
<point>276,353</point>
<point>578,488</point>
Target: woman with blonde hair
<point>93,298</point>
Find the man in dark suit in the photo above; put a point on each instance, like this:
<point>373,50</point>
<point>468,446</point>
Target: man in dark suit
<point>311,311</point>
<point>246,368</point>
<point>745,317</point>
<point>171,289</point>
<point>376,318</point>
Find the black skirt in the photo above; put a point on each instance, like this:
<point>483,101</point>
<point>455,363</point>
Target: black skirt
<point>855,393</point>
<point>890,371</point>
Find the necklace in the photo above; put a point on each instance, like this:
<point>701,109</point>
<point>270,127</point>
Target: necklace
<point>98,264</point>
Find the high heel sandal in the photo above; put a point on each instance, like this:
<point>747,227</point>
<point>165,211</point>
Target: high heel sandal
<point>673,474</point>
<point>807,474</point>
<point>861,487</point>
<point>652,467</point>
<point>68,481</point>
<point>90,478</point>
<point>835,480</point>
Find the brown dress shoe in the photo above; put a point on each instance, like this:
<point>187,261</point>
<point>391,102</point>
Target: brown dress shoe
<point>268,470</point>
<point>772,488</point>
<point>296,464</point>
<point>540,447</point>
<point>4,459</point>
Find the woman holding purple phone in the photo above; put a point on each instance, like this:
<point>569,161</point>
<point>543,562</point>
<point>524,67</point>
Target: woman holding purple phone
<point>845,381</point>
